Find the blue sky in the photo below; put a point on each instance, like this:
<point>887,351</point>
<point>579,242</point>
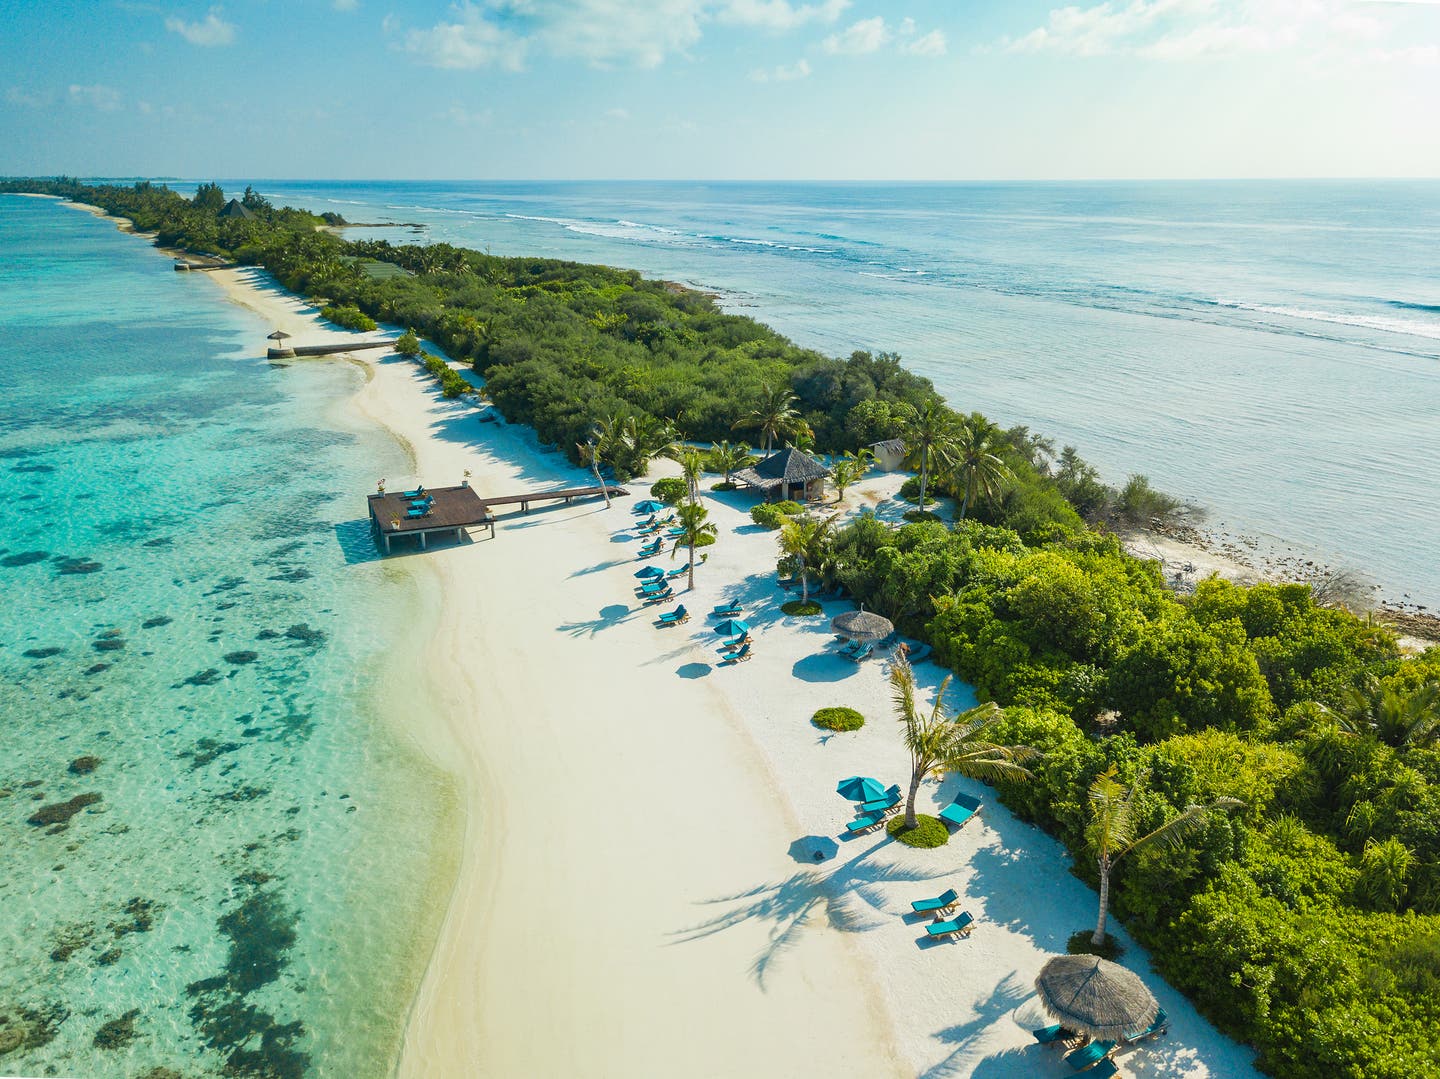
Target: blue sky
<point>719,89</point>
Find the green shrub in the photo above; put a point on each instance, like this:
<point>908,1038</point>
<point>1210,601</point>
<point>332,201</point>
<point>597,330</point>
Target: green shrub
<point>723,486</point>
<point>910,490</point>
<point>838,719</point>
<point>1080,944</point>
<point>767,516</point>
<point>928,831</point>
<point>407,344</point>
<point>802,608</point>
<point>669,490</point>
<point>917,516</point>
<point>352,318</point>
<point>452,383</point>
<point>789,507</point>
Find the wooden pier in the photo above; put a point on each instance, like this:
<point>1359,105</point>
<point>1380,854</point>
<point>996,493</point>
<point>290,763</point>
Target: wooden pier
<point>454,509</point>
<point>286,353</point>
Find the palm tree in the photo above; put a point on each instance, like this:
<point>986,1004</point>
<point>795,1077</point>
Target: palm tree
<point>975,464</point>
<point>773,415</point>
<point>692,520</point>
<point>849,469</point>
<point>590,455</point>
<point>1037,450</point>
<point>802,438</point>
<point>809,541</point>
<point>940,743</point>
<point>1112,829</point>
<point>929,435</point>
<point>727,458</point>
<point>1400,719</point>
<point>692,468</point>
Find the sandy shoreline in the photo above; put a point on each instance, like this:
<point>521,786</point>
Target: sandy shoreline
<point>625,901</point>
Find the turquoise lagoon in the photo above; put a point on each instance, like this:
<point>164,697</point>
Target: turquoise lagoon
<point>196,642</point>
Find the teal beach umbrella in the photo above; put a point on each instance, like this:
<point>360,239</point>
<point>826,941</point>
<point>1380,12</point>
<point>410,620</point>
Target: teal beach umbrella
<point>861,789</point>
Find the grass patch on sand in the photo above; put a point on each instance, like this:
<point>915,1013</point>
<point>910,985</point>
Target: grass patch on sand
<point>838,719</point>
<point>1079,944</point>
<point>928,831</point>
<point>802,608</point>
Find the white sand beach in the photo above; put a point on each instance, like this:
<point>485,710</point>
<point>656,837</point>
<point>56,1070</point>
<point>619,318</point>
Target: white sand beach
<point>626,902</point>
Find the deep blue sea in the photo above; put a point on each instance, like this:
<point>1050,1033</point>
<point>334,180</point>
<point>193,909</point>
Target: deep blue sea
<point>193,628</point>
<point>1270,350</point>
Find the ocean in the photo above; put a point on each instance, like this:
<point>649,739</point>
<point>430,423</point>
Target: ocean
<point>1269,350</point>
<point>219,857</point>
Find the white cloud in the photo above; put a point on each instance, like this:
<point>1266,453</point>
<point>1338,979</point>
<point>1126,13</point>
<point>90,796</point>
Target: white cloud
<point>30,99</point>
<point>784,73</point>
<point>858,38</point>
<point>345,5</point>
<point>97,96</point>
<point>1191,29</point>
<point>780,14</point>
<point>471,42</point>
<point>211,30</point>
<point>931,44</point>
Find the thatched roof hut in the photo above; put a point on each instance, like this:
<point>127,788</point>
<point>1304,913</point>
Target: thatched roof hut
<point>1095,996</point>
<point>787,474</point>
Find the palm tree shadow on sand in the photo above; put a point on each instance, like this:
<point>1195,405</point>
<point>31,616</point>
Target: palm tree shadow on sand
<point>850,896</point>
<point>963,1058</point>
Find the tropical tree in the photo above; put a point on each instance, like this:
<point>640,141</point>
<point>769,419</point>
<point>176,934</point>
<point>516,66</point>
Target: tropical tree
<point>1400,719</point>
<point>774,415</point>
<point>929,434</point>
<point>692,519</point>
<point>940,743</point>
<point>1037,450</point>
<point>727,458</point>
<point>590,455</point>
<point>848,470</point>
<point>808,543</point>
<point>1113,823</point>
<point>803,437</point>
<point>692,468</point>
<point>977,468</point>
<point>408,344</point>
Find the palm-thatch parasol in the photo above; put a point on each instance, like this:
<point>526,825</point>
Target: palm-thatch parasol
<point>862,625</point>
<point>277,337</point>
<point>1095,996</point>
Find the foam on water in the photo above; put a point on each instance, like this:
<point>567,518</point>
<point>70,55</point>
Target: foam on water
<point>194,628</point>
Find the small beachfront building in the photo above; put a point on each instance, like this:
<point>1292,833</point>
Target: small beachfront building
<point>790,473</point>
<point>889,455</point>
<point>235,208</point>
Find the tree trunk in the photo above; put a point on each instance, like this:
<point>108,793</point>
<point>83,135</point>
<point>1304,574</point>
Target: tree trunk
<point>595,468</point>
<point>924,474</point>
<point>804,583</point>
<point>1099,937</point>
<point>692,567</point>
<point>910,821</point>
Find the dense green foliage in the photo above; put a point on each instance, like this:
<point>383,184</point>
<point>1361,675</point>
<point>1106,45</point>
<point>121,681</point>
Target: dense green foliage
<point>928,831</point>
<point>1306,923</point>
<point>801,608</point>
<point>352,318</point>
<point>452,383</point>
<point>669,489</point>
<point>838,719</point>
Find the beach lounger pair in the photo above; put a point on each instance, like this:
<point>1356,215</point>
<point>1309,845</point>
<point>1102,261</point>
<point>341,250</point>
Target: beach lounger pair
<point>1089,1055</point>
<point>860,655</point>
<point>650,549</point>
<point>739,656</point>
<point>652,589</point>
<point>675,617</point>
<point>955,927</point>
<point>658,597</point>
<point>887,805</point>
<point>960,811</point>
<point>1158,1026</point>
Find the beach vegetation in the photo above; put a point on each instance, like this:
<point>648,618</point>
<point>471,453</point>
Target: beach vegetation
<point>1083,943</point>
<point>926,832</point>
<point>590,457</point>
<point>806,546</point>
<point>692,469</point>
<point>772,415</point>
<point>728,459</point>
<point>669,490</point>
<point>408,344</point>
<point>974,462</point>
<point>849,469</point>
<point>767,515</point>
<point>352,318</point>
<point>698,532</point>
<point>930,433</point>
<point>801,608</point>
<point>452,382</point>
<point>838,719</point>
<point>940,743</point>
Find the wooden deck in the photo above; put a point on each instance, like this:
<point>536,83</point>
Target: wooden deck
<point>455,509</point>
<point>286,352</point>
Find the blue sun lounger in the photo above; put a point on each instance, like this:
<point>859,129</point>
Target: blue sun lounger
<point>677,573</point>
<point>960,926</point>
<point>413,514</point>
<point>944,901</point>
<point>866,822</point>
<point>960,811</point>
<point>1052,1035</point>
<point>881,805</point>
<point>1104,1070</point>
<point>1089,1055</point>
<point>729,610</point>
<point>650,549</point>
<point>675,617</point>
<point>1157,1027</point>
<point>737,657</point>
<point>419,492</point>
<point>860,655</point>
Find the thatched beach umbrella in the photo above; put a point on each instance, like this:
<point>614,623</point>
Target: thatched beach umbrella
<point>862,625</point>
<point>1095,996</point>
<point>277,337</point>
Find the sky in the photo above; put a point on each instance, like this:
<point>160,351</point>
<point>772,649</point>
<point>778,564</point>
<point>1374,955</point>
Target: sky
<point>720,89</point>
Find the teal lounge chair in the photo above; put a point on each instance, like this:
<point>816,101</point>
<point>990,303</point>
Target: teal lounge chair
<point>960,926</point>
<point>675,617</point>
<point>419,492</point>
<point>1157,1027</point>
<point>415,514</point>
<point>730,610</point>
<point>865,823</point>
<point>960,811</point>
<point>737,657</point>
<point>650,549</point>
<point>1054,1034</point>
<point>677,573</point>
<point>881,805</point>
<point>1088,1055</point>
<point>1104,1070</point>
<point>944,901</point>
<point>735,642</point>
<point>849,649</point>
<point>657,597</point>
<point>860,655</point>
